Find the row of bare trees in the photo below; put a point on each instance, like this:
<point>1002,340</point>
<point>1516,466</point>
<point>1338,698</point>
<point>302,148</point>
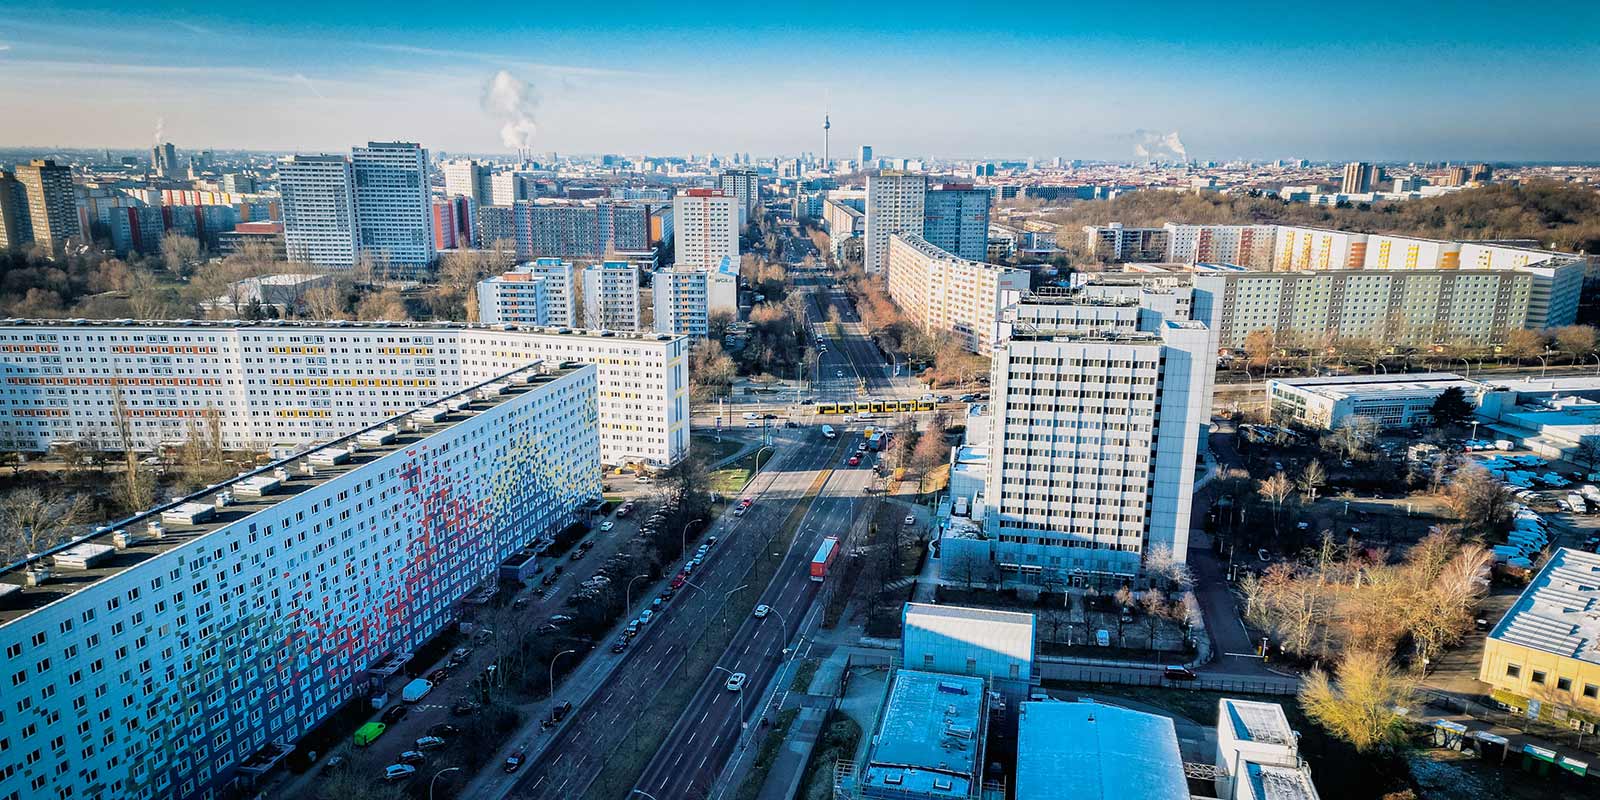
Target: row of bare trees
<point>1266,348</point>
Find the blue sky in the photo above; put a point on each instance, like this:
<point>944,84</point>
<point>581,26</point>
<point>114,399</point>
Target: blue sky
<point>1386,81</point>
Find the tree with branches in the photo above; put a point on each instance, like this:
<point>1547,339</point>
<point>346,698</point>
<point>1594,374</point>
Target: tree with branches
<point>1361,706</point>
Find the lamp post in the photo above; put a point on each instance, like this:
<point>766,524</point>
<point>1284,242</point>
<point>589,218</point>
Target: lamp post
<point>436,777</point>
<point>785,626</point>
<point>553,661</point>
<point>683,537</point>
<point>1596,357</point>
<point>1544,366</point>
<point>758,458</point>
<point>627,603</point>
<point>642,793</point>
<point>1468,365</point>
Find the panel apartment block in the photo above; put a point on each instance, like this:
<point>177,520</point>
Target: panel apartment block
<point>944,293</point>
<point>193,644</point>
<point>291,385</point>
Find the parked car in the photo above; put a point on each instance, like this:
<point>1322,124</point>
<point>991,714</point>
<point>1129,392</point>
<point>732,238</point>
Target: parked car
<point>411,757</point>
<point>443,730</point>
<point>736,682</point>
<point>520,603</point>
<point>607,526</point>
<point>620,644</point>
<point>394,773</point>
<point>464,707</point>
<point>437,676</point>
<point>1178,674</point>
<point>911,519</point>
<point>762,611</point>
<point>394,714</point>
<point>334,764</point>
<point>855,461</point>
<point>430,743</point>
<point>514,761</point>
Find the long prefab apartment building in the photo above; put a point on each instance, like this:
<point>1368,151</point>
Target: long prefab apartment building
<point>190,646</point>
<point>286,385</point>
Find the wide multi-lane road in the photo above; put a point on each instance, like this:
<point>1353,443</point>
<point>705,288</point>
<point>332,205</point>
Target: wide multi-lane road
<point>714,725</point>
<point>574,756</point>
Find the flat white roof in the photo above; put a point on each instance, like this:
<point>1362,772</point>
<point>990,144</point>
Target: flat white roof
<point>929,732</point>
<point>1089,751</point>
<point>1559,612</point>
<point>1253,721</point>
<point>1268,782</point>
<point>1007,632</point>
<point>1361,387</point>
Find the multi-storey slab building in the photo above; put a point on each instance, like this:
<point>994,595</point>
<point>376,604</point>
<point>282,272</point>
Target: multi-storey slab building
<point>185,650</point>
<point>319,210</point>
<point>539,292</point>
<point>895,204</point>
<point>955,218</point>
<point>845,221</point>
<point>944,293</point>
<point>1246,245</point>
<point>611,296</point>
<point>464,177</point>
<point>706,228</point>
<point>1114,243</point>
<point>744,185</point>
<point>52,203</point>
<point>1096,418</point>
<point>1414,307</point>
<point>286,385</point>
<point>684,300</point>
<point>394,214</point>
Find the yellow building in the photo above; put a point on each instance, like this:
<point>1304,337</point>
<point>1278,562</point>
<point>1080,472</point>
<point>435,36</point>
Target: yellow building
<point>1543,658</point>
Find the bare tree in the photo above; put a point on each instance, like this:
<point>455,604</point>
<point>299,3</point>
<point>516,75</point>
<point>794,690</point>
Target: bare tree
<point>1478,500</point>
<point>32,520</point>
<point>1312,478</point>
<point>1361,708</point>
<point>1276,490</point>
<point>180,253</point>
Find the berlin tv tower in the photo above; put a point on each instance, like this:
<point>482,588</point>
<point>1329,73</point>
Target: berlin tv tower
<point>827,163</point>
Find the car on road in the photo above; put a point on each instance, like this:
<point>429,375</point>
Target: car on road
<point>855,461</point>
<point>459,655</point>
<point>411,757</point>
<point>443,730</point>
<point>334,764</point>
<point>642,479</point>
<point>739,511</point>
<point>463,707</point>
<point>911,519</point>
<point>430,743</point>
<point>625,510</point>
<point>606,526</point>
<point>861,447</point>
<point>394,714</point>
<point>751,415</point>
<point>746,502</point>
<point>514,761</point>
<point>736,682</point>
<point>646,615</point>
<point>620,644</point>
<point>577,555</point>
<point>1178,674</point>
<point>394,773</point>
<point>762,611</point>
<point>752,424</point>
<point>437,676</point>
<point>520,603</point>
<point>838,373</point>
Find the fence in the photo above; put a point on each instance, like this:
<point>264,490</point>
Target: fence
<point>1133,677</point>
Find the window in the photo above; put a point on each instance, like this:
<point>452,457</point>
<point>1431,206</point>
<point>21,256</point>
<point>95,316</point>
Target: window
<point>1538,676</point>
<point>1591,691</point>
<point>1513,671</point>
<point>1564,684</point>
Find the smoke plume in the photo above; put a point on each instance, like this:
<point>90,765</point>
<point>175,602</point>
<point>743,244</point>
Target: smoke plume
<point>513,103</point>
<point>1158,146</point>
<point>161,129</point>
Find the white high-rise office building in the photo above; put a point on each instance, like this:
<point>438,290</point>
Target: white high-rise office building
<point>705,228</point>
<point>464,177</point>
<point>744,185</point>
<point>611,296</point>
<point>319,210</point>
<point>894,205</point>
<point>394,215</point>
<point>1096,419</point>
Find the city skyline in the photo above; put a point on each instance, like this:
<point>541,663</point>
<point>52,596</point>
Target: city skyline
<point>1326,87</point>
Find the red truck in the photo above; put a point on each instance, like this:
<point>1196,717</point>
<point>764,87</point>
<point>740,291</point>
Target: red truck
<point>824,558</point>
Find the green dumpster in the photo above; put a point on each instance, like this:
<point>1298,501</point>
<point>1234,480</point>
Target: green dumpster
<point>1574,766</point>
<point>1537,760</point>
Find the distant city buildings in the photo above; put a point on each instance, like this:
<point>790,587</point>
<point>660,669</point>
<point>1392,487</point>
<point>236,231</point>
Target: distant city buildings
<point>955,218</point>
<point>464,177</point>
<point>1360,177</point>
<point>844,218</point>
<point>744,185</point>
<point>164,160</point>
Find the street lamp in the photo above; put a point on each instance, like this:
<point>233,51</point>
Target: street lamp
<point>553,670</point>
<point>1543,366</point>
<point>758,457</point>
<point>436,777</point>
<point>683,537</point>
<point>1596,357</point>
<point>785,626</point>
<point>642,793</point>
<point>1468,365</point>
<point>628,602</point>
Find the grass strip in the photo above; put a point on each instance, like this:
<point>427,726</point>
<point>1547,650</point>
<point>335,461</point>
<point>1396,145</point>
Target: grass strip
<point>766,756</point>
